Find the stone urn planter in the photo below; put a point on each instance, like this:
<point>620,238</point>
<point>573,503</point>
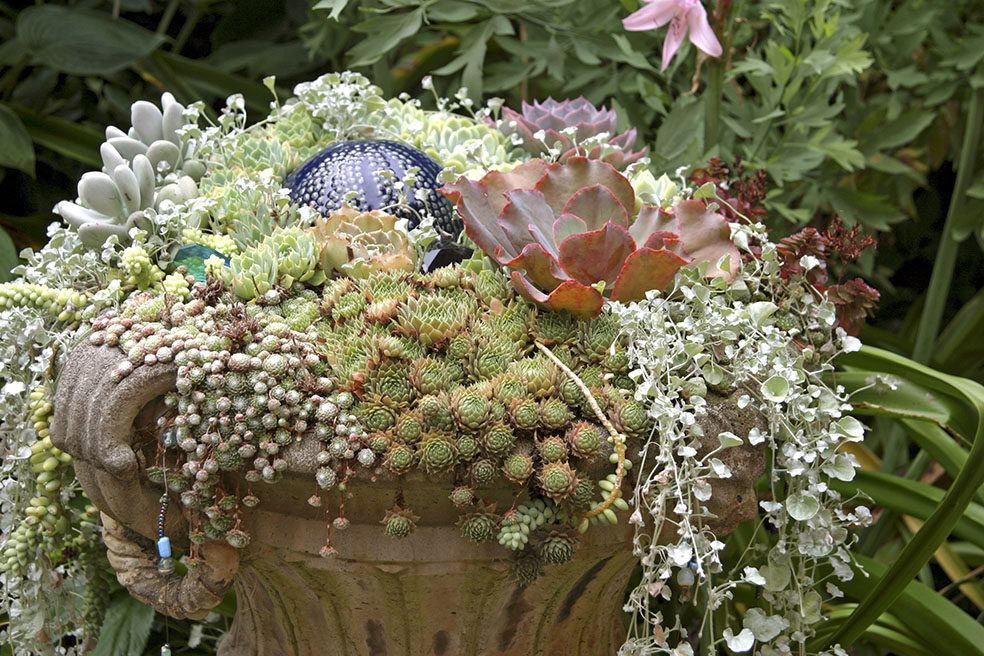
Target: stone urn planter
<point>431,593</point>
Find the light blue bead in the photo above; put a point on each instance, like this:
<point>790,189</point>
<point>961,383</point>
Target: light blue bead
<point>164,547</point>
<point>166,650</point>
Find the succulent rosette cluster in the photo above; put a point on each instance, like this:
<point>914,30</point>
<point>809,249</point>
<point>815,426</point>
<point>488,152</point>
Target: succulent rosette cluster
<point>571,239</point>
<point>574,127</point>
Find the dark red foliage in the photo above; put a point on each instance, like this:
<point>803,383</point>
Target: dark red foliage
<point>807,241</point>
<point>847,244</point>
<point>855,300</point>
<point>740,190</point>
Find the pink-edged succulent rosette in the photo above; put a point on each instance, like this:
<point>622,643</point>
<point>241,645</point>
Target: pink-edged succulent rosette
<point>563,229</point>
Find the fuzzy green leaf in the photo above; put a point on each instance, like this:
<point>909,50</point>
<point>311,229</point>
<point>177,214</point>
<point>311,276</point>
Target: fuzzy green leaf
<point>125,629</point>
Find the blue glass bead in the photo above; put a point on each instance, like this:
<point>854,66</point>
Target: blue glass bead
<point>325,181</point>
<point>169,437</point>
<point>164,547</point>
<point>166,650</point>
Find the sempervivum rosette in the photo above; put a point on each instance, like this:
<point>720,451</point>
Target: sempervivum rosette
<point>573,126</point>
<point>567,234</point>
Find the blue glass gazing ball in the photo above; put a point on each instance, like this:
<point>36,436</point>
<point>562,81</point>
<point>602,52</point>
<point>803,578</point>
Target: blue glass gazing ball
<point>325,181</point>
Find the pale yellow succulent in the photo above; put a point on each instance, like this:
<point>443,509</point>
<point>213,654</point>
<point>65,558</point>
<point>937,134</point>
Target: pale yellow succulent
<point>358,244</point>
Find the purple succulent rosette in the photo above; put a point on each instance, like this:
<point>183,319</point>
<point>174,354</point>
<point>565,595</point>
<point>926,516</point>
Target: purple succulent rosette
<point>553,117</point>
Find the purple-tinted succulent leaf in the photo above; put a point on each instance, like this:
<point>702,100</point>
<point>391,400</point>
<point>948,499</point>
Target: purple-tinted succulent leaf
<point>580,300</point>
<point>567,225</point>
<point>651,220</point>
<point>480,203</point>
<point>625,140</point>
<point>663,239</point>
<point>706,236</point>
<point>553,139</point>
<point>596,206</point>
<point>553,118</point>
<point>591,257</point>
<point>480,217</point>
<point>559,183</point>
<point>539,266</point>
<point>645,269</point>
<point>527,218</point>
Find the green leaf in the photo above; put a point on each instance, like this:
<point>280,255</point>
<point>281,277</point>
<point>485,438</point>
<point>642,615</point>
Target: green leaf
<point>946,515</point>
<point>70,139</point>
<point>802,506</point>
<point>912,498</point>
<point>81,41</point>
<point>926,614</point>
<point>901,131</point>
<point>385,34</point>
<point>958,348</point>
<point>969,218</point>
<point>126,628</point>
<point>842,151</point>
<point>631,56</point>
<point>17,151</point>
<point>870,210</point>
<point>8,256</point>
<point>336,7</point>
<point>471,54</point>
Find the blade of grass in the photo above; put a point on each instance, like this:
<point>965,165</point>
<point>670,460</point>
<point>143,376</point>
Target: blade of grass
<point>913,498</point>
<point>953,566</point>
<point>926,614</point>
<point>946,254</point>
<point>951,507</point>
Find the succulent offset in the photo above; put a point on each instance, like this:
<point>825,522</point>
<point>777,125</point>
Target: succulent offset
<point>574,127</point>
<point>571,238</point>
<point>358,244</point>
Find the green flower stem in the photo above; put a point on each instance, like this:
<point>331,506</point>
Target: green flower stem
<point>946,254</point>
<point>712,107</point>
<point>947,513</point>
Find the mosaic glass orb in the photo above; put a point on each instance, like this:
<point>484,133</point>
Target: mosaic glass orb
<point>325,181</point>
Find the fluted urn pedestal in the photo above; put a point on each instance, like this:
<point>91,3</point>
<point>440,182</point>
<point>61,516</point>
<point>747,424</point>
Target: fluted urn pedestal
<point>431,593</point>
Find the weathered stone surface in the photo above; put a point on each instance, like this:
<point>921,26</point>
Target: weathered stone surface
<point>431,593</point>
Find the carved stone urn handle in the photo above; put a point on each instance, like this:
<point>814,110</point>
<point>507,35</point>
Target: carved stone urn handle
<point>94,421</point>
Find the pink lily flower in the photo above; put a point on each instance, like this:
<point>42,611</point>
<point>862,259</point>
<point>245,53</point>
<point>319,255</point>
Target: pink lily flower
<point>681,15</point>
